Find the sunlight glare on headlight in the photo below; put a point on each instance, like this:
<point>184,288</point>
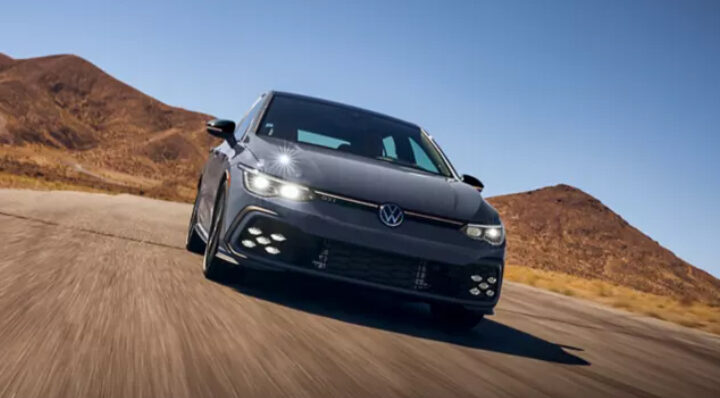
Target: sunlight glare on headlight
<point>260,183</point>
<point>290,191</point>
<point>493,233</point>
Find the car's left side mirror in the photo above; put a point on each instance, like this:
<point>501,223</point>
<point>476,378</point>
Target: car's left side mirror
<point>470,180</point>
<point>221,128</point>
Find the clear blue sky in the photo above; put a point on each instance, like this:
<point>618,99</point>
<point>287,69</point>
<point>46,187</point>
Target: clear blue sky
<point>618,98</point>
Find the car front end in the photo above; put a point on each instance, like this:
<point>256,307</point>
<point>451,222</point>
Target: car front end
<point>279,224</point>
<point>336,191</point>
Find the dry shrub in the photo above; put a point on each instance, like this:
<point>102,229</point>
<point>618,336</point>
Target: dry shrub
<point>687,301</point>
<point>653,314</point>
<point>622,302</point>
<point>532,279</point>
<point>604,290</point>
<point>691,323</point>
<point>685,311</point>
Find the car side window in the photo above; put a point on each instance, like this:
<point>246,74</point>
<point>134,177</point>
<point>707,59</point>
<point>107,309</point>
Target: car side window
<point>389,149</point>
<point>421,157</point>
<point>246,121</point>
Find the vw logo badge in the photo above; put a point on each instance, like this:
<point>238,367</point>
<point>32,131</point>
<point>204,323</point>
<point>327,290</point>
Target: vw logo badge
<point>391,214</point>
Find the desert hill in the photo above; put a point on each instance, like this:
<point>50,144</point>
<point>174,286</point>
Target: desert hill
<point>562,228</point>
<point>66,116</point>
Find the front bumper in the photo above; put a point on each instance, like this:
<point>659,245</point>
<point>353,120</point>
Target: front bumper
<point>427,262</point>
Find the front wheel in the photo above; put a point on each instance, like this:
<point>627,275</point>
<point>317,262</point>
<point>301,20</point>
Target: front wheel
<point>213,267</point>
<point>193,241</point>
<point>455,317</point>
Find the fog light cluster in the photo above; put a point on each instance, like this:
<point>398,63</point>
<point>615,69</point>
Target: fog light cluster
<point>482,285</point>
<point>258,238</point>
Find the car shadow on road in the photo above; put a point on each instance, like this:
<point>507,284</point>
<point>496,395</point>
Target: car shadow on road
<point>380,310</point>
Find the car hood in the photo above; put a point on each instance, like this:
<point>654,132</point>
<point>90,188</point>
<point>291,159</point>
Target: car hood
<point>366,179</point>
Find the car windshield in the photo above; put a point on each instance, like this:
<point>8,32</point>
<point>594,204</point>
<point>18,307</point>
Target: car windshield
<point>352,130</point>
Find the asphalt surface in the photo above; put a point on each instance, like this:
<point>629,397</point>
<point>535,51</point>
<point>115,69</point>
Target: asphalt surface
<point>99,299</point>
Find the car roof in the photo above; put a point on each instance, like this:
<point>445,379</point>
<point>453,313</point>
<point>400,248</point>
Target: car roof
<point>340,104</point>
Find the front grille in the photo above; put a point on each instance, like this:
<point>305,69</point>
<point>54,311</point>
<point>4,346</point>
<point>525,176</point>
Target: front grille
<point>372,266</point>
<point>403,272</point>
<point>361,263</point>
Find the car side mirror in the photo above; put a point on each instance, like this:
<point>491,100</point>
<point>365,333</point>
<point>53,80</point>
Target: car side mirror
<point>221,128</point>
<point>474,182</point>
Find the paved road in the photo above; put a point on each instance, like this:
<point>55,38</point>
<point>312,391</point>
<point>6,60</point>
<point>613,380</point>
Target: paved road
<point>99,299</point>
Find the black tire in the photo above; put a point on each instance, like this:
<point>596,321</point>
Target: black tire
<point>193,241</point>
<point>455,317</point>
<point>214,268</point>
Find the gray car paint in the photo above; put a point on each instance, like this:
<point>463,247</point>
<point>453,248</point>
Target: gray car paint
<point>352,176</point>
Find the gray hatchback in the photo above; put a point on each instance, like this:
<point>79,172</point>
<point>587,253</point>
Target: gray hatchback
<point>330,190</point>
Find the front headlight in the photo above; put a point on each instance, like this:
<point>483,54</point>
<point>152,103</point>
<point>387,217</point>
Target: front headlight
<point>265,185</point>
<point>492,234</point>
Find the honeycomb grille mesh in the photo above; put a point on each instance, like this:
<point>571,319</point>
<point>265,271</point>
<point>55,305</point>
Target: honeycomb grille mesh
<point>372,266</point>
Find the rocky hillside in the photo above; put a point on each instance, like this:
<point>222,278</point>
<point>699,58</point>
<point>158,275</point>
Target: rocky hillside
<point>66,116</point>
<point>562,228</point>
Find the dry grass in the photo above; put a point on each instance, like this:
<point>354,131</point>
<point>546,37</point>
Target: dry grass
<point>24,182</point>
<point>677,310</point>
<point>33,176</point>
